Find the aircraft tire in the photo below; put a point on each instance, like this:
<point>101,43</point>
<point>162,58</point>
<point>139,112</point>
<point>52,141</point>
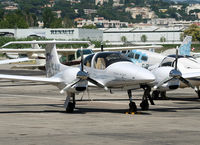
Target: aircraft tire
<point>163,95</point>
<point>70,107</point>
<point>144,105</point>
<point>198,94</point>
<point>155,95</point>
<point>132,107</point>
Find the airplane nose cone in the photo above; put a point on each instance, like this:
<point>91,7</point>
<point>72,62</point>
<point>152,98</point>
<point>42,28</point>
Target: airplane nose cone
<point>144,75</point>
<point>134,73</point>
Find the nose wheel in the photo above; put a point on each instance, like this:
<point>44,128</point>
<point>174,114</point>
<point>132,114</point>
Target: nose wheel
<point>70,103</point>
<point>132,105</point>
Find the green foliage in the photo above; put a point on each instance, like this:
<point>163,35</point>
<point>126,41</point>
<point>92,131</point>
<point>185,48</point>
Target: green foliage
<point>56,23</point>
<point>48,17</point>
<point>124,39</point>
<point>14,20</point>
<point>143,38</point>
<point>162,39</point>
<point>89,26</point>
<point>193,31</point>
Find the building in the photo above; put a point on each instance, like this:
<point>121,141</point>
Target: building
<point>57,33</point>
<point>89,11</point>
<point>161,21</point>
<point>192,7</point>
<point>145,12</point>
<point>100,2</point>
<point>100,22</point>
<point>133,35</point>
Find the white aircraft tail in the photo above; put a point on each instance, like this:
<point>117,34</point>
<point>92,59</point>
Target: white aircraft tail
<point>53,65</point>
<point>185,47</point>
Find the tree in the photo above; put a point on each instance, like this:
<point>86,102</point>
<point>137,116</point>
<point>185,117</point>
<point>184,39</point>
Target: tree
<point>68,23</point>
<point>162,39</point>
<point>193,31</point>
<point>48,17</point>
<point>14,20</point>
<point>124,39</point>
<point>143,38</point>
<point>91,26</point>
<point>56,23</point>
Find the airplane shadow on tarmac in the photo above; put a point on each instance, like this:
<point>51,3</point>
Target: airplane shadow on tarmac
<point>85,110</point>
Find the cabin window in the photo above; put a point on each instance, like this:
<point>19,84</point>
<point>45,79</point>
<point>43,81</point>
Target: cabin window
<point>131,55</point>
<point>144,58</point>
<point>137,56</point>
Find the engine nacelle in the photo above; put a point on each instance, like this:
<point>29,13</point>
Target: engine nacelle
<point>81,86</point>
<point>171,85</point>
<point>162,73</point>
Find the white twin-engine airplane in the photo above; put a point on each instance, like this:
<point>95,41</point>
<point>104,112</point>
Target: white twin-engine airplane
<point>37,53</point>
<point>176,71</point>
<point>107,70</point>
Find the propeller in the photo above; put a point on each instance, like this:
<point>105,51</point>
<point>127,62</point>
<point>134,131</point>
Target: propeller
<point>175,74</point>
<point>81,76</point>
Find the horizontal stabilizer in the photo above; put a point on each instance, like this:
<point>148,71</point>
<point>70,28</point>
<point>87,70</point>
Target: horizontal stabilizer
<point>14,60</point>
<point>50,80</point>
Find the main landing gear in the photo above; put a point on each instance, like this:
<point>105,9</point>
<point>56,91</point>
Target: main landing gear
<point>132,105</point>
<point>155,95</point>
<point>70,102</point>
<point>145,104</point>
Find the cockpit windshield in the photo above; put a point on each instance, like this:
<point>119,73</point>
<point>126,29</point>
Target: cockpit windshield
<point>88,60</point>
<point>168,61</point>
<point>104,59</point>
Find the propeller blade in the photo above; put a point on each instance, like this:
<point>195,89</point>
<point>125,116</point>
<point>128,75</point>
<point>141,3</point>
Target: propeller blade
<point>81,59</point>
<point>70,85</point>
<point>97,83</point>
<point>163,82</point>
<point>187,83</point>
<point>176,60</point>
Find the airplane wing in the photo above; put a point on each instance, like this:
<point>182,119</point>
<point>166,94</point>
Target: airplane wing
<point>194,75</point>
<point>30,50</point>
<point>29,66</point>
<point>46,42</point>
<point>14,60</point>
<point>127,48</point>
<point>33,79</point>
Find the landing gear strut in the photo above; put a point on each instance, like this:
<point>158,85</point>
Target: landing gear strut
<point>144,104</point>
<point>70,102</point>
<point>132,105</point>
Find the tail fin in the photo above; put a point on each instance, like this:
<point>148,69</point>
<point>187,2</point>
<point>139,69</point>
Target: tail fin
<point>185,47</point>
<point>53,65</point>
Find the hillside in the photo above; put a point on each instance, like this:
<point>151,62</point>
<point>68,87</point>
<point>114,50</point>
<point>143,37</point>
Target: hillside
<point>62,13</point>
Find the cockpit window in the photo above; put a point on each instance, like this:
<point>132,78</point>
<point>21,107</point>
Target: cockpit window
<point>85,52</point>
<point>168,61</point>
<point>88,60</point>
<point>105,59</point>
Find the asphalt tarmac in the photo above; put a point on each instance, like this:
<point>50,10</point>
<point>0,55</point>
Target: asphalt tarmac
<point>33,114</point>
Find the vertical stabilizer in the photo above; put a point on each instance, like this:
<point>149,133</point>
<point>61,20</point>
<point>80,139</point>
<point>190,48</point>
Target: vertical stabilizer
<point>185,47</point>
<point>53,65</point>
